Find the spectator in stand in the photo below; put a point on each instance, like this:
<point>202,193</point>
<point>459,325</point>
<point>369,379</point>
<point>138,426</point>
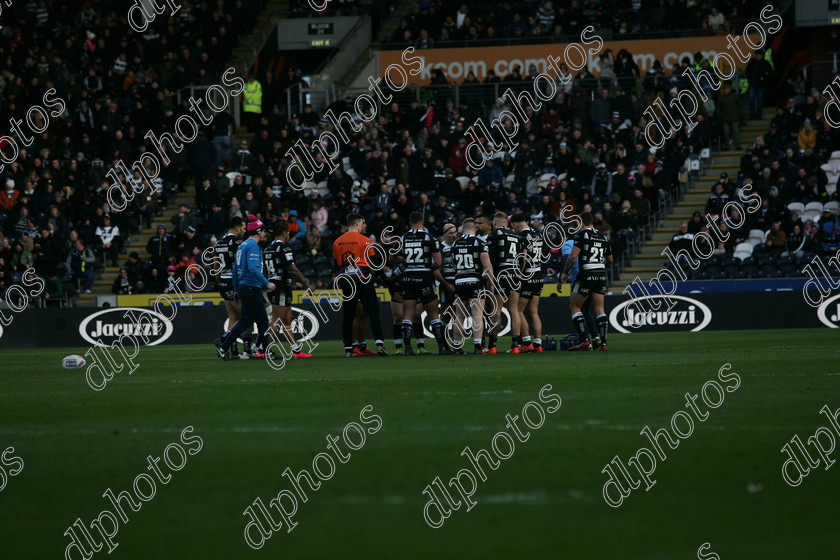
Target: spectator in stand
<point>682,241</point>
<point>136,270</point>
<point>109,240</point>
<point>760,75</point>
<point>122,284</point>
<point>297,230</point>
<point>729,113</point>
<point>154,282</point>
<point>830,238</point>
<point>80,263</point>
<point>806,138</point>
<point>775,240</point>
<point>795,243</point>
<point>640,207</point>
<point>159,246</point>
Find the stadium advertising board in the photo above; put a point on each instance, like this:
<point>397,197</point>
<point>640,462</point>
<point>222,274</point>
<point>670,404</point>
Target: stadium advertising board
<point>107,326</point>
<point>50,328</point>
<point>458,63</point>
<point>829,312</point>
<point>686,314</point>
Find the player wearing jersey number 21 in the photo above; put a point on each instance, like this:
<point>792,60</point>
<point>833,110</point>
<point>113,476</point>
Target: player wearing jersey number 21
<point>595,253</point>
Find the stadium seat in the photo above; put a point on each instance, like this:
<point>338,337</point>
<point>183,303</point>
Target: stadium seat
<point>831,187</point>
<point>324,270</point>
<point>731,269</point>
<point>737,274</point>
<point>796,207</point>
<point>786,260</point>
<point>751,260</point>
<point>698,275</point>
<point>728,259</point>
<point>321,259</point>
<point>464,181</point>
<point>509,180</point>
<point>789,270</point>
<point>391,183</point>
<point>308,187</point>
<point>322,188</point>
<point>835,155</point>
<point>812,215</point>
<point>712,270</point>
<point>767,258</point>
<point>714,260</point>
<point>752,271</point>
<point>830,167</point>
<point>306,270</point>
<point>232,176</point>
<point>814,207</point>
<point>718,275</point>
<point>833,207</point>
<point>758,233</point>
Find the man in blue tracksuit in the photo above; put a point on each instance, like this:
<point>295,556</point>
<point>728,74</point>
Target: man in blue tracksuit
<point>249,283</point>
<point>586,308</point>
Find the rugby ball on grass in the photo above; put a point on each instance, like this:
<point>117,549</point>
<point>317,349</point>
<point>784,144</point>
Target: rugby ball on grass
<point>73,362</point>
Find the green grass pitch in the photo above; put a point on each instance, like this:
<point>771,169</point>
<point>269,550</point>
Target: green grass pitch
<point>722,485</point>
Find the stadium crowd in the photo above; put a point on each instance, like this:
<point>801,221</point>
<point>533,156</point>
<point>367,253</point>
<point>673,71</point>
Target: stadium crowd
<point>585,150</point>
<point>117,84</point>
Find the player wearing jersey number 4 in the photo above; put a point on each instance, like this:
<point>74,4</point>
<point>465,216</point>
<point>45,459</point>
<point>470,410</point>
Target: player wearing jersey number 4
<point>507,253</point>
<point>595,254</point>
<point>281,270</point>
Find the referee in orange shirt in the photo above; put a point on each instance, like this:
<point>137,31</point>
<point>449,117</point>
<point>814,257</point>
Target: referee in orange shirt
<point>351,252</point>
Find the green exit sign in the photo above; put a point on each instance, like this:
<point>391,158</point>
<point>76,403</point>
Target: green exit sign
<point>320,43</point>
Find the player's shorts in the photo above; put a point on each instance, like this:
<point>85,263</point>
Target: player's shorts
<point>590,282</point>
<point>281,296</point>
<point>226,288</point>
<point>419,286</point>
<point>507,281</point>
<point>447,296</point>
<point>394,287</point>
<point>531,288</point>
<point>467,292</point>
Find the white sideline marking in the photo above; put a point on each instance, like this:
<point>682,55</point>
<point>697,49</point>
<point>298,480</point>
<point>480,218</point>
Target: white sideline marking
<point>319,429</point>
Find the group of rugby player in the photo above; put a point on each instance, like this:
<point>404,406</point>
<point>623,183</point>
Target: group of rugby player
<point>278,267</point>
<point>481,268</point>
<point>485,266</point>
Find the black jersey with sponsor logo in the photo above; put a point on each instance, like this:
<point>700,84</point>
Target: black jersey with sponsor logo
<point>418,249</point>
<point>226,248</point>
<point>277,262</point>
<point>504,244</point>
<point>447,263</point>
<point>535,245</point>
<point>466,253</point>
<point>594,249</point>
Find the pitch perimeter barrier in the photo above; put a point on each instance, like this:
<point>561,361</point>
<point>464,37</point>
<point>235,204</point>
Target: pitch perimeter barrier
<point>51,328</point>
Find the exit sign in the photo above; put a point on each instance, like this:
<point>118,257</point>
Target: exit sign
<point>320,43</point>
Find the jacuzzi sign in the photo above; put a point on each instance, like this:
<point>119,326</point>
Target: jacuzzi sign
<point>637,314</point>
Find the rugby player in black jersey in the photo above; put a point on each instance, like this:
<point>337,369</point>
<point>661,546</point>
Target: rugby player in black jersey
<point>532,284</point>
<point>279,265</point>
<point>447,270</point>
<point>421,255</point>
<point>226,248</point>
<point>594,252</point>
<point>507,249</point>
<point>471,258</point>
